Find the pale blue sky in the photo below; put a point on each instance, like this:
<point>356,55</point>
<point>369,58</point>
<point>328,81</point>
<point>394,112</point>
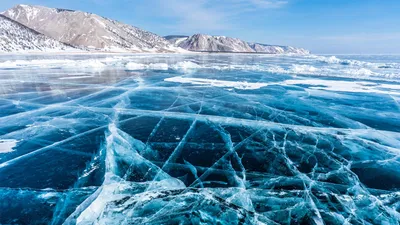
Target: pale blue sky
<point>323,26</point>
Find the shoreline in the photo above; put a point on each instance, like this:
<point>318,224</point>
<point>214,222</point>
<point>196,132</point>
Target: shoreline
<point>148,53</point>
<point>191,53</point>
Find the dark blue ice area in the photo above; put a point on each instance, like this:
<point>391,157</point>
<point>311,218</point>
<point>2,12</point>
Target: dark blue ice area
<point>199,139</point>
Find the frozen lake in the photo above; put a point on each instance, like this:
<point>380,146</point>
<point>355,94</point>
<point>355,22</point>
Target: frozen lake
<point>199,139</point>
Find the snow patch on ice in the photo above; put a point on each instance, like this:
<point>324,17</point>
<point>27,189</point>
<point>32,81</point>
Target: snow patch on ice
<point>361,71</point>
<point>7,145</point>
<point>75,77</point>
<point>328,85</point>
<point>332,59</point>
<point>186,65</point>
<point>349,62</point>
<point>243,85</point>
<point>303,69</point>
<point>153,66</point>
<point>48,195</point>
<point>158,66</point>
<point>135,66</point>
<point>93,64</point>
<point>347,86</point>
<point>51,63</point>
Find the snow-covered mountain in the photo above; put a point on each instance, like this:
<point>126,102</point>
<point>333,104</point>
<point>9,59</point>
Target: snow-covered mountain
<point>276,49</point>
<point>208,43</point>
<point>88,30</point>
<point>92,32</point>
<point>15,37</point>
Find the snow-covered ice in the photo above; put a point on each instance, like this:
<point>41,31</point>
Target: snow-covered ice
<point>7,146</point>
<point>218,83</point>
<point>199,139</point>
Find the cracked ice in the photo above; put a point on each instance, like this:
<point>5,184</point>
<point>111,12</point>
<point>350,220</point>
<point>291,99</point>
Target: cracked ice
<point>199,139</point>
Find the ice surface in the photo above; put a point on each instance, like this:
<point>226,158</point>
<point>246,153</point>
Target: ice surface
<point>199,139</point>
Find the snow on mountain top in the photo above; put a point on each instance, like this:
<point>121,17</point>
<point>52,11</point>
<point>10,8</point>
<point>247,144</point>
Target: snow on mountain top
<point>209,43</point>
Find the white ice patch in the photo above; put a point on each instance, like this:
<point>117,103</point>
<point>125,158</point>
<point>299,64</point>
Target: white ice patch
<point>349,62</point>
<point>93,64</point>
<point>243,85</point>
<point>152,66</point>
<point>48,195</point>
<point>52,63</point>
<point>75,77</point>
<point>332,59</point>
<point>360,71</point>
<point>347,86</point>
<point>7,145</point>
<point>318,84</point>
<point>135,66</point>
<point>302,69</point>
<point>297,69</point>
<point>311,70</point>
<point>158,66</point>
<point>186,65</point>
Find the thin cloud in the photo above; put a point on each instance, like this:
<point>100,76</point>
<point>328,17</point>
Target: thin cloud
<point>195,14</point>
<point>210,15</point>
<point>268,4</point>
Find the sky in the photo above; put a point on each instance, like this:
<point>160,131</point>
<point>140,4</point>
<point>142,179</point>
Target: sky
<point>322,26</point>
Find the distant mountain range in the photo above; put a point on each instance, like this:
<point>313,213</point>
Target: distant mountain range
<point>27,28</point>
<point>208,43</point>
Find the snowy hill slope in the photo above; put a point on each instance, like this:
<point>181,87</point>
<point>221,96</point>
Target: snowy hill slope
<point>88,30</point>
<point>15,37</point>
<point>92,32</point>
<point>276,49</point>
<point>201,42</point>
